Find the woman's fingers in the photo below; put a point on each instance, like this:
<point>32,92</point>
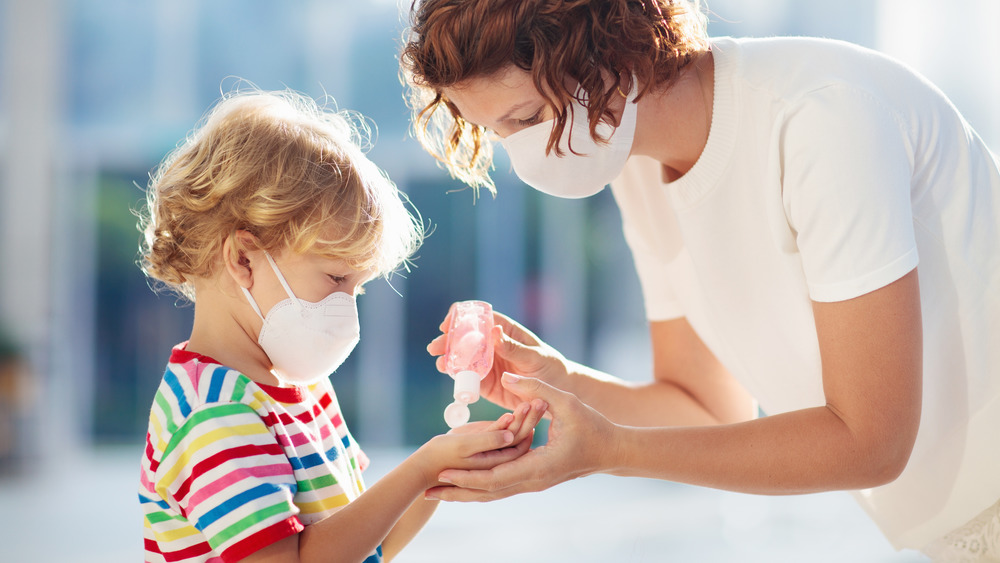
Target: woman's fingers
<point>515,352</point>
<point>447,319</point>
<point>438,345</point>
<point>504,480</point>
<point>514,329</point>
<point>532,388</point>
<point>568,453</point>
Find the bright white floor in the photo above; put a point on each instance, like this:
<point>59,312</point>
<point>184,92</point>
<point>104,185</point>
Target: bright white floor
<point>88,513</point>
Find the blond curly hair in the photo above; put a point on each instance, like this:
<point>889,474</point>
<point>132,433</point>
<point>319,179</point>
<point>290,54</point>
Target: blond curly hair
<point>284,168</point>
<point>451,41</point>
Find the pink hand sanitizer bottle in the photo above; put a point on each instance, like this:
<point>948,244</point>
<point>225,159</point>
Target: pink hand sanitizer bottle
<point>468,356</point>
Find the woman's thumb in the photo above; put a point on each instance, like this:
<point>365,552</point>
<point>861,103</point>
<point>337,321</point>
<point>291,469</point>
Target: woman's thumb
<point>528,388</point>
<point>509,348</point>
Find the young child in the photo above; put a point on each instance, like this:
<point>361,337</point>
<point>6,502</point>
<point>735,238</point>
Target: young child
<point>271,219</point>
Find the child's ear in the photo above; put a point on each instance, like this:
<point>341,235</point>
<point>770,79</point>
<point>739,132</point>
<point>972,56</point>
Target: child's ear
<point>238,254</point>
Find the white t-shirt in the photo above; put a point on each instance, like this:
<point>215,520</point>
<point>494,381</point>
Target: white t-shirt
<point>831,171</point>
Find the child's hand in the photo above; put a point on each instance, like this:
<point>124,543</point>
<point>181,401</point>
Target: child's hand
<point>524,419</point>
<point>521,422</point>
<point>480,445</point>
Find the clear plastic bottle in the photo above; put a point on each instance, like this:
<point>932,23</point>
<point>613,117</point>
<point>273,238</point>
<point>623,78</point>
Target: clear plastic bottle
<point>468,356</point>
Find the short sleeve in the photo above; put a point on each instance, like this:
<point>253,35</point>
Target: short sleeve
<point>230,479</point>
<point>846,175</point>
<point>651,232</point>
<point>654,277</point>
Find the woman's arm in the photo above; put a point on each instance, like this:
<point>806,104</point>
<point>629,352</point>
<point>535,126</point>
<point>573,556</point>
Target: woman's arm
<point>871,349</point>
<point>690,386</point>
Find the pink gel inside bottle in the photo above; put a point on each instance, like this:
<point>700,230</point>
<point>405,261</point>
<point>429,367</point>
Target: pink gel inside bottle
<point>468,356</point>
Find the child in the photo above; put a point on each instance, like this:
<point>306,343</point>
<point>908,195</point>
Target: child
<point>271,219</point>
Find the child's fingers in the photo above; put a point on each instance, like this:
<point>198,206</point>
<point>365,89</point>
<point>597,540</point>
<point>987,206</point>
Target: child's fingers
<point>477,426</point>
<point>492,458</point>
<point>529,420</point>
<point>483,442</point>
<point>520,413</point>
<point>501,423</point>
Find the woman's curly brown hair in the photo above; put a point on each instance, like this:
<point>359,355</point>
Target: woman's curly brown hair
<point>287,170</point>
<point>600,44</point>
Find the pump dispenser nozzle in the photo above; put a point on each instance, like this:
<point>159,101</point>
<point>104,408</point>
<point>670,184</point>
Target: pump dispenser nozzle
<point>468,356</point>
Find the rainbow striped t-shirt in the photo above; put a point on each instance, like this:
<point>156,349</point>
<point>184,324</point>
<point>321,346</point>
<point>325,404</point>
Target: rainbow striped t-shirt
<point>232,466</point>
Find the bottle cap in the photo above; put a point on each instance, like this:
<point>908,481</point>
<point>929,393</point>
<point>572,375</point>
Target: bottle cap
<point>467,386</point>
<point>456,414</point>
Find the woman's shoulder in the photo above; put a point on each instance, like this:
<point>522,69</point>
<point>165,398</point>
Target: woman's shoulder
<point>790,47</point>
<point>805,63</point>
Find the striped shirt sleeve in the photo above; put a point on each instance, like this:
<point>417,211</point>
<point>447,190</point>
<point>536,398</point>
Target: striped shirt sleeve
<point>225,473</point>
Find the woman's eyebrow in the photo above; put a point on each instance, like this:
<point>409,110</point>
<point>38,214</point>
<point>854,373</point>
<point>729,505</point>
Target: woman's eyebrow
<point>513,110</point>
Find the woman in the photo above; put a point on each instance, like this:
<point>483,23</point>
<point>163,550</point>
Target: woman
<point>777,196</point>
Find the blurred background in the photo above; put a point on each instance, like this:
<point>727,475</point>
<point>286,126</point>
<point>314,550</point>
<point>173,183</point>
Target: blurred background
<point>93,93</point>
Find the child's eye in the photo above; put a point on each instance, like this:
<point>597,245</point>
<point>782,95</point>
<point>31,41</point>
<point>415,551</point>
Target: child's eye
<point>337,279</point>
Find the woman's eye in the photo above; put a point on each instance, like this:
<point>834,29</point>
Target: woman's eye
<point>531,120</point>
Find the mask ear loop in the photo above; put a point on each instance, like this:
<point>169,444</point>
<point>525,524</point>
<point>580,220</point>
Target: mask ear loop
<point>253,303</point>
<point>281,279</point>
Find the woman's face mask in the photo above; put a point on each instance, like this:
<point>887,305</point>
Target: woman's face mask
<point>586,169</point>
<point>307,341</point>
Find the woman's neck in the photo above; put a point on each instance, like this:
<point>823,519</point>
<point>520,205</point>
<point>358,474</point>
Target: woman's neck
<point>673,124</point>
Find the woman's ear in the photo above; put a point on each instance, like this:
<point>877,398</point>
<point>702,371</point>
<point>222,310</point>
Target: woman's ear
<point>238,255</point>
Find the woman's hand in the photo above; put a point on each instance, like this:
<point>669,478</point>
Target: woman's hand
<point>481,445</point>
<point>580,443</point>
<point>515,350</point>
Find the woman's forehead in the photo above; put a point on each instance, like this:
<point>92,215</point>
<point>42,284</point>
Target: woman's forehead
<point>487,99</point>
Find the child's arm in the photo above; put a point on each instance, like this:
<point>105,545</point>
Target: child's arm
<point>521,422</point>
<point>352,533</point>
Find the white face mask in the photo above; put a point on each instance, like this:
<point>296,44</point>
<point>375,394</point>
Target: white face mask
<point>573,175</point>
<point>307,341</point>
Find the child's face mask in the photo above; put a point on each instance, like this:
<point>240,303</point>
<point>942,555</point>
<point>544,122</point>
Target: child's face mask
<point>307,341</point>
